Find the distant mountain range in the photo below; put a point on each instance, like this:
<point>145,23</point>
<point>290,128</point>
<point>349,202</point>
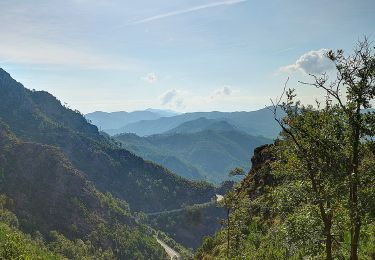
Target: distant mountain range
<point>259,122</point>
<point>201,149</point>
<point>197,146</point>
<point>60,173</point>
<point>114,120</point>
<point>202,124</point>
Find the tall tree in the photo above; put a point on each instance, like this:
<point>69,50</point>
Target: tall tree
<point>343,129</point>
<point>310,161</point>
<point>356,79</point>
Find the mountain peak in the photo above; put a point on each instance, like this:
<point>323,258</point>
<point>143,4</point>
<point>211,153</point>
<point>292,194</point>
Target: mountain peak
<point>202,124</point>
<point>4,74</point>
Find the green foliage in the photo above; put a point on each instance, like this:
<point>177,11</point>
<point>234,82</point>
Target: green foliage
<point>16,245</point>
<point>73,207</point>
<point>184,252</point>
<point>53,164</point>
<point>237,171</point>
<point>77,249</point>
<point>319,202</point>
<point>192,220</point>
<point>39,117</point>
<point>202,155</point>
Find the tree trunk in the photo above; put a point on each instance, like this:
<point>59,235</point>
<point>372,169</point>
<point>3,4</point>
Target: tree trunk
<point>228,233</point>
<point>327,230</point>
<point>355,181</point>
<point>326,217</point>
<point>355,242</point>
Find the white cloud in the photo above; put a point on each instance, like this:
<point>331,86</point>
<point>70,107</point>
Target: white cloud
<point>179,99</point>
<point>222,92</point>
<point>168,96</point>
<point>150,78</point>
<point>188,10</point>
<point>173,98</point>
<point>312,62</point>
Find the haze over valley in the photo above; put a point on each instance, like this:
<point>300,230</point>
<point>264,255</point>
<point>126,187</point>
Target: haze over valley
<point>187,130</point>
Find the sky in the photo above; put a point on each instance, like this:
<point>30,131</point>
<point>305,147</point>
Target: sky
<point>185,55</point>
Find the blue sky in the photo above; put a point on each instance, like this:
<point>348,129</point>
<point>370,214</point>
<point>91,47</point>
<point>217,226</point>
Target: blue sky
<point>196,55</point>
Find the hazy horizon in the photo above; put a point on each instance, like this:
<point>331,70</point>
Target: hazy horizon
<point>175,111</point>
<point>196,55</point>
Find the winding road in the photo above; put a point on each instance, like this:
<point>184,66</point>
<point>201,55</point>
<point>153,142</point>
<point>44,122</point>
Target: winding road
<point>170,251</point>
<point>202,205</point>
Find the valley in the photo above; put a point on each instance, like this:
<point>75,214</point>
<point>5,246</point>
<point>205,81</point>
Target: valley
<point>93,185</point>
<point>187,130</point>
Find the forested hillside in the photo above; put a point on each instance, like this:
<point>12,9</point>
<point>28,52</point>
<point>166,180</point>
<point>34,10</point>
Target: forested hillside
<point>51,198</point>
<point>311,194</point>
<point>61,173</point>
<point>39,117</point>
<point>187,130</point>
<point>205,152</point>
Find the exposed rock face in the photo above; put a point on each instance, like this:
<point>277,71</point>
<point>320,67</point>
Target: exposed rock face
<point>260,174</point>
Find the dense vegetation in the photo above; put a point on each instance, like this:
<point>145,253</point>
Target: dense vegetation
<point>65,176</point>
<point>312,193</point>
<point>201,149</point>
<point>49,197</point>
<point>39,117</point>
<point>192,220</point>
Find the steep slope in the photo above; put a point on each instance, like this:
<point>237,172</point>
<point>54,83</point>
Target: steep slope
<point>39,120</point>
<point>144,148</point>
<point>17,245</point>
<point>49,194</point>
<point>39,117</point>
<point>260,122</point>
<point>247,202</point>
<point>212,153</point>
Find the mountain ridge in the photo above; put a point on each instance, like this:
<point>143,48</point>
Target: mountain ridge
<point>259,122</point>
<point>38,117</point>
<point>50,195</point>
<point>202,124</point>
<point>204,155</point>
<point>109,120</point>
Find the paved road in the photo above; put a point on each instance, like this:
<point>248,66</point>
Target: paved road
<point>202,205</point>
<point>181,209</point>
<point>219,198</point>
<point>172,253</point>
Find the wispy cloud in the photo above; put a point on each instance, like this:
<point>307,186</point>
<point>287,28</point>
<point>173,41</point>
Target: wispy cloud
<point>225,98</point>
<point>173,98</point>
<point>19,49</point>
<point>188,10</point>
<point>222,92</point>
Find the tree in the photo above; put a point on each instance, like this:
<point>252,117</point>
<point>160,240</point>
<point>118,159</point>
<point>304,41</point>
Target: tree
<point>330,142</point>
<point>228,204</point>
<point>236,172</point>
<point>310,163</point>
<point>356,78</point>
